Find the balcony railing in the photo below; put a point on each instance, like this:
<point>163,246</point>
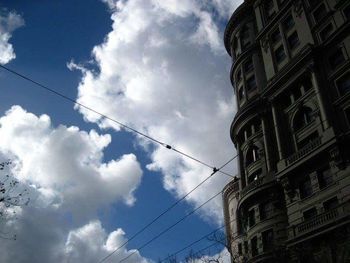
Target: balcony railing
<point>304,151</point>
<point>321,220</point>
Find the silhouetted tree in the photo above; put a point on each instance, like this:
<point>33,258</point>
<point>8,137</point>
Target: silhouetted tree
<point>12,195</point>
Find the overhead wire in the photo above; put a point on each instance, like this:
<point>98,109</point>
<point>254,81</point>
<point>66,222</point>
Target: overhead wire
<point>125,126</point>
<point>167,210</point>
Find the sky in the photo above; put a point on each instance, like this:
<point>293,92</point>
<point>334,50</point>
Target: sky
<point>158,66</point>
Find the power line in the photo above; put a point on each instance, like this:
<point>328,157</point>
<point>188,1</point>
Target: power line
<point>167,210</point>
<point>170,227</point>
<point>127,127</point>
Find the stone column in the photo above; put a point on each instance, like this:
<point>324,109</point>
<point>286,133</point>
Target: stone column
<point>267,156</point>
<point>315,84</point>
<point>278,137</point>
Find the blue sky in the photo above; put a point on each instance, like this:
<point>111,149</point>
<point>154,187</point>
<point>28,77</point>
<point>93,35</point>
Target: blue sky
<point>158,66</point>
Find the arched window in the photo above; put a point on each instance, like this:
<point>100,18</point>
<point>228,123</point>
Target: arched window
<point>252,155</point>
<point>302,118</point>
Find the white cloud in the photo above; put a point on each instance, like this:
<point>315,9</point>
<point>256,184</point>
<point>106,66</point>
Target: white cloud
<point>162,70</point>
<point>91,243</point>
<point>69,183</point>
<point>9,21</point>
<point>66,164</point>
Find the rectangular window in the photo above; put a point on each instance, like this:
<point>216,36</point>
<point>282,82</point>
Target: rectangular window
<point>251,216</point>
<point>251,84</point>
<point>326,32</point>
<point>254,243</point>
<point>347,12</point>
<point>310,213</point>
<point>293,40</point>
<point>267,239</point>
<point>269,9</point>
<point>343,84</point>
<point>266,210</point>
<point>324,177</point>
<point>248,66</point>
<point>305,188</point>
<point>320,13</point>
<point>288,23</point>
<point>246,248</point>
<point>280,54</point>
<point>275,36</point>
<point>331,204</point>
<point>336,59</point>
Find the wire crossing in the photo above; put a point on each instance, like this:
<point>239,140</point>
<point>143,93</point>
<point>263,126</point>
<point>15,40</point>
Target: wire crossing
<point>170,227</point>
<point>167,210</point>
<point>127,127</point>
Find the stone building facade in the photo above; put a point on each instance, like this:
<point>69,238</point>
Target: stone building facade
<point>291,76</point>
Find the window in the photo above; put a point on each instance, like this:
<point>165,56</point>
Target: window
<point>324,177</point>
<point>303,118</point>
<point>347,115</point>
<point>252,155</point>
<point>246,248</point>
<point>310,213</point>
<point>240,249</point>
<point>254,176</point>
<point>347,12</point>
<point>320,13</point>
<point>305,188</point>
<point>251,216</point>
<point>288,23</point>
<point>248,66</point>
<point>275,36</point>
<point>239,76</point>
<point>280,54</point>
<point>331,204</point>
<point>312,3</point>
<point>269,9</point>
<point>267,239</point>
<point>241,93</point>
<point>343,84</point>
<point>313,136</point>
<point>293,40</point>
<point>326,32</point>
<point>251,84</point>
<point>245,37</point>
<point>266,210</point>
<point>336,59</point>
<point>254,243</point>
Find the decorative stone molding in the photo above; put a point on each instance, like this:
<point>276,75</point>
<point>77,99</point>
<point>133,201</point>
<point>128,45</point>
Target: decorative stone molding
<point>265,43</point>
<point>290,191</point>
<point>336,158</point>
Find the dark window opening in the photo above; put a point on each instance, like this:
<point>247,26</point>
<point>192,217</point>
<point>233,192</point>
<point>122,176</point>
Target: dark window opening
<point>267,239</point>
<point>245,37</point>
<point>254,242</point>
<point>343,84</point>
<point>305,188</point>
<point>251,216</point>
<point>269,9</point>
<point>307,84</point>
<point>296,92</point>
<point>324,177</point>
<point>240,249</point>
<point>280,54</point>
<point>331,204</point>
<point>320,13</point>
<point>303,118</point>
<point>310,213</point>
<point>254,176</point>
<point>347,115</point>
<point>336,59</point>
<point>293,40</point>
<point>313,3</point>
<point>288,23</point>
<point>275,36</point>
<point>347,12</point>
<point>248,66</point>
<point>326,32</point>
<point>252,155</point>
<point>251,84</point>
<point>246,248</point>
<point>266,210</point>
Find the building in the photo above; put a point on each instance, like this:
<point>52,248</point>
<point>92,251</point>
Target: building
<point>291,76</point>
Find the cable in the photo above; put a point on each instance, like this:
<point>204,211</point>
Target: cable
<point>167,210</point>
<point>169,147</point>
<point>170,227</point>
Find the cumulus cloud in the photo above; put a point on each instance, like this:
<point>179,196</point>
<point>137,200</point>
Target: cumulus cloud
<point>163,70</point>
<point>9,21</point>
<point>66,164</point>
<point>69,183</point>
